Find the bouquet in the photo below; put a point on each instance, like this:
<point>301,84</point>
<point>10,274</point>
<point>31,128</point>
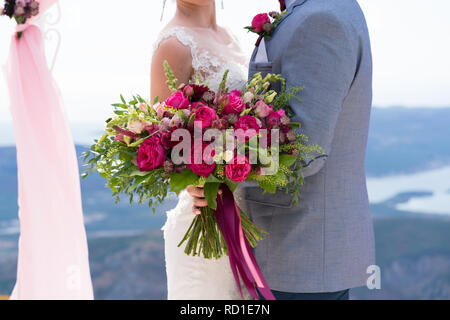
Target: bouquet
<point>212,139</point>
<point>21,11</point>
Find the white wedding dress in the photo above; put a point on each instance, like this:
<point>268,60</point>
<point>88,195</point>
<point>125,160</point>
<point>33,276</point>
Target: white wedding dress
<point>188,277</point>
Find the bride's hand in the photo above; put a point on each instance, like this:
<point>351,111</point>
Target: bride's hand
<point>198,196</point>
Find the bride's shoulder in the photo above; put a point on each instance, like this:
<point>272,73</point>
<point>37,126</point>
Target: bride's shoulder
<point>230,36</point>
<point>174,35</point>
<point>173,40</point>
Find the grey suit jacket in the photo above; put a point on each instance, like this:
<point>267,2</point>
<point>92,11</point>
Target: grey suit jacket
<point>326,243</point>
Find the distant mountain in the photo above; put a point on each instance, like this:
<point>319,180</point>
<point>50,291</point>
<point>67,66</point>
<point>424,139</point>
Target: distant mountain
<point>406,140</point>
<point>414,255</point>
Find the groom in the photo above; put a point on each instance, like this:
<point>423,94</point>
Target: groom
<point>323,247</point>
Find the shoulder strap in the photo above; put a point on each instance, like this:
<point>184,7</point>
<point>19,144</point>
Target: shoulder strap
<point>181,34</point>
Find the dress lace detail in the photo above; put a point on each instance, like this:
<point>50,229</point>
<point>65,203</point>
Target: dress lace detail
<point>209,66</point>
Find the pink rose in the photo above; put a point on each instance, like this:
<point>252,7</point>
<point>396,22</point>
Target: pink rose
<point>151,154</point>
<point>234,103</point>
<point>206,115</point>
<point>206,167</point>
<point>247,122</point>
<point>262,109</point>
<point>196,105</point>
<point>136,126</point>
<point>274,118</point>
<point>178,101</point>
<point>239,169</point>
<point>259,20</point>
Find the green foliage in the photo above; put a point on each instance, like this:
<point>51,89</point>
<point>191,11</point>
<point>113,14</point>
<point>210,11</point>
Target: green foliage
<point>172,81</point>
<point>180,181</point>
<point>211,189</point>
<point>283,100</point>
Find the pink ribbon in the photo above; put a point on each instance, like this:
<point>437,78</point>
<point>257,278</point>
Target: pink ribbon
<point>22,27</point>
<point>241,257</point>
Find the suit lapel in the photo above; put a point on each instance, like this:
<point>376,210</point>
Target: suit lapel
<point>289,12</point>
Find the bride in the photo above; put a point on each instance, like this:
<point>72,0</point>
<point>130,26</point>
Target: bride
<point>195,46</point>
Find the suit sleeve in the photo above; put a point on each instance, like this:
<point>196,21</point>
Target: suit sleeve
<point>321,58</point>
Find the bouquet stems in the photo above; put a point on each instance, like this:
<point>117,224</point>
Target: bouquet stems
<point>204,237</point>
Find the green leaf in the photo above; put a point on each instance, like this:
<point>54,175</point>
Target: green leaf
<point>123,100</point>
<point>137,143</point>
<point>211,189</point>
<point>287,159</point>
<point>139,173</point>
<point>269,187</point>
<point>136,184</point>
<point>180,181</point>
<point>213,178</point>
<point>231,184</point>
<point>295,125</point>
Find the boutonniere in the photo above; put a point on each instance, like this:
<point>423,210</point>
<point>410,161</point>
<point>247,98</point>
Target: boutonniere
<point>264,24</point>
<point>20,10</point>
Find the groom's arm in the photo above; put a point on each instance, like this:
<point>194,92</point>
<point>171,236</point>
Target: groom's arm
<point>321,57</point>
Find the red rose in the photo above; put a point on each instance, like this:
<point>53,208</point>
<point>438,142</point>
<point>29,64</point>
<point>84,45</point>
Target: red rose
<point>239,169</point>
<point>151,154</point>
<point>234,105</point>
<point>206,115</point>
<point>246,123</point>
<point>207,165</point>
<point>259,20</point>
<point>178,101</point>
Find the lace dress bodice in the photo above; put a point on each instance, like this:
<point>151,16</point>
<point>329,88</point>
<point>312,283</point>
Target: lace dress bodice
<point>210,60</point>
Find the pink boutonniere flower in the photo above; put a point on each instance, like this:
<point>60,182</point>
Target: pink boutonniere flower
<point>264,24</point>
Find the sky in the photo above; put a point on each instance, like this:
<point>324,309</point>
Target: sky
<point>107,45</point>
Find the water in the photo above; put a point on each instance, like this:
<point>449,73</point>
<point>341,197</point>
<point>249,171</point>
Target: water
<point>436,181</point>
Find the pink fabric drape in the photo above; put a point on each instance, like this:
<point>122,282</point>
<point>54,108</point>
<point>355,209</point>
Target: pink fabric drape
<point>53,254</point>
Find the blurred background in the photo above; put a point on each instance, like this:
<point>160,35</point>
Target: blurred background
<point>106,50</point>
